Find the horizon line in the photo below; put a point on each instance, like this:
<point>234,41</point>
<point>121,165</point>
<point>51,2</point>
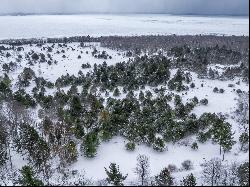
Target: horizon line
<point>124,13</point>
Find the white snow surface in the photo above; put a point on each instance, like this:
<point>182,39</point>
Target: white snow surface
<point>37,26</point>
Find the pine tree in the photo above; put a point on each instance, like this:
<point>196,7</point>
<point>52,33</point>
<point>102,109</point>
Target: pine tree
<point>116,92</point>
<point>243,174</point>
<point>115,177</point>
<point>76,106</point>
<point>244,141</point>
<point>223,135</point>
<point>189,180</point>
<point>3,144</point>
<point>164,178</point>
<point>90,144</point>
<point>28,178</point>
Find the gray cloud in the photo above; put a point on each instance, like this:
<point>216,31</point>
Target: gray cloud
<point>222,7</point>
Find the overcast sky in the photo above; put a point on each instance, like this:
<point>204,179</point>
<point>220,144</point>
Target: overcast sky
<point>213,7</point>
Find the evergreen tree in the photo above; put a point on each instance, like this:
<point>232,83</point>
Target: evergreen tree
<point>115,177</point>
<point>130,146</point>
<point>3,145</point>
<point>27,177</point>
<point>189,180</point>
<point>76,107</point>
<point>116,92</point>
<point>243,174</point>
<point>90,144</point>
<point>223,135</point>
<point>164,178</point>
<point>244,141</point>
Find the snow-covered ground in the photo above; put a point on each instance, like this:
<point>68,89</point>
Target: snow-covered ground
<point>114,151</point>
<point>34,26</point>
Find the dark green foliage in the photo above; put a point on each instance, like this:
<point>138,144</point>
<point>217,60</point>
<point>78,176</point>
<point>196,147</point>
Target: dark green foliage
<point>79,130</point>
<point>244,141</point>
<point>203,137</point>
<point>5,84</point>
<point>222,134</point>
<point>28,177</point>
<point>164,178</point>
<point>176,83</point>
<point>159,145</point>
<point>3,145</point>
<point>75,107</point>
<point>90,145</point>
<point>25,77</point>
<point>130,146</point>
<point>70,153</point>
<point>243,174</point>
<point>29,142</point>
<point>115,177</point>
<point>189,180</point>
<point>219,131</point>
<point>25,99</point>
<point>116,92</point>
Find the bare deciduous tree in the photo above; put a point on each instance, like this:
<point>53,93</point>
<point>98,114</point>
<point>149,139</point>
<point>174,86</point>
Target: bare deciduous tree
<point>142,169</point>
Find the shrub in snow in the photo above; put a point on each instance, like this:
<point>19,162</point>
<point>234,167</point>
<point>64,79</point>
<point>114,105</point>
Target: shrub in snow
<point>172,168</point>
<point>130,146</point>
<point>187,165</point>
<point>194,146</point>
<point>159,145</point>
<point>222,91</point>
<point>35,56</point>
<point>239,91</point>
<point>195,100</point>
<point>192,85</point>
<point>85,66</point>
<point>204,101</point>
<point>215,90</point>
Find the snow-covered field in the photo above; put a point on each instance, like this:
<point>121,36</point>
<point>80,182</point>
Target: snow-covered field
<point>34,26</point>
<point>114,151</point>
